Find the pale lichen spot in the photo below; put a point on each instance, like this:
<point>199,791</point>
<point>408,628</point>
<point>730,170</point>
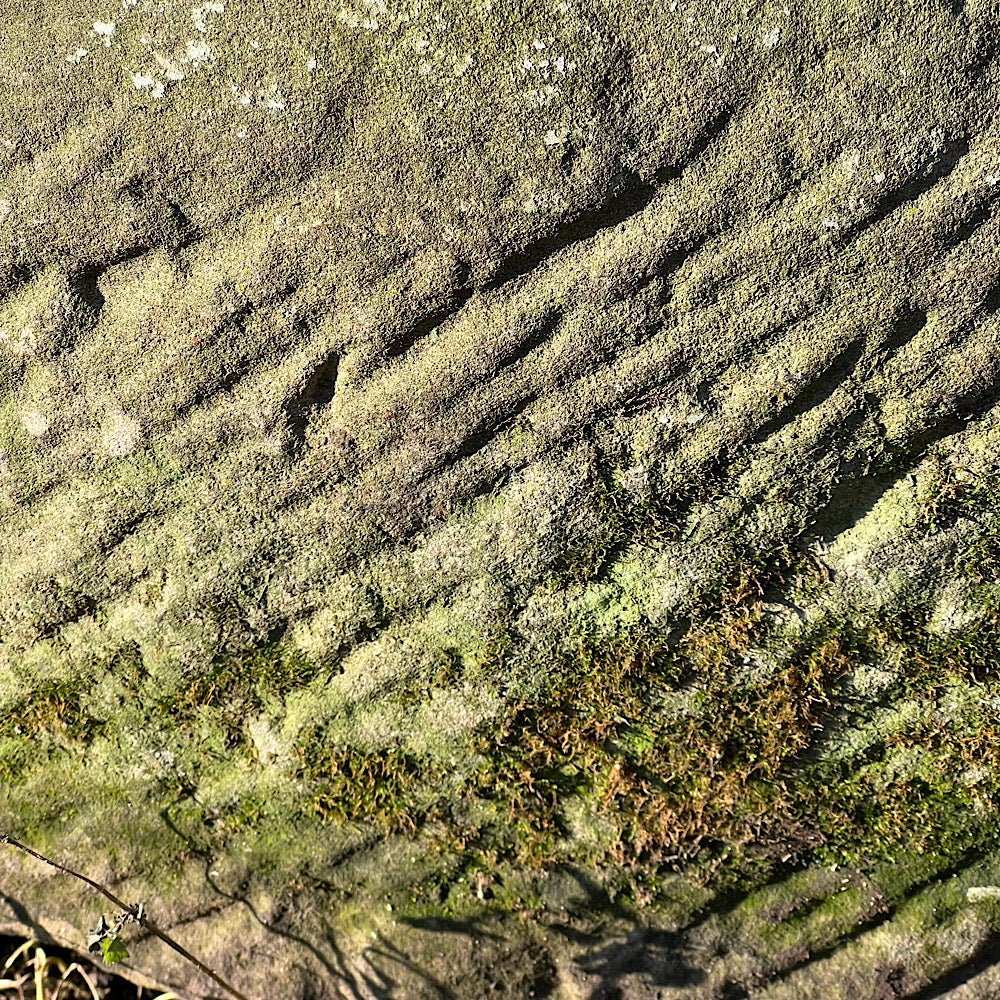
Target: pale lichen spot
<point>21,345</point>
<point>542,96</point>
<point>266,741</point>
<point>104,30</point>
<point>311,65</point>
<point>198,14</point>
<point>143,81</point>
<point>354,20</point>
<point>772,38</point>
<point>121,435</point>
<point>6,207</point>
<point>978,893</point>
<point>197,52</point>
<point>76,55</point>
<point>171,70</point>
<point>849,162</point>
<point>36,424</point>
<point>546,68</point>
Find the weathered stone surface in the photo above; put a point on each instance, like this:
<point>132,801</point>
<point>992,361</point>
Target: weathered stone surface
<point>359,365</point>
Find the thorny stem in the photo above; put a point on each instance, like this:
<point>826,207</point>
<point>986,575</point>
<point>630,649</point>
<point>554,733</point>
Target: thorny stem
<point>132,910</point>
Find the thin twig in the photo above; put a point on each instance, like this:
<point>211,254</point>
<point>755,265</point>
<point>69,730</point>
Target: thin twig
<point>132,910</point>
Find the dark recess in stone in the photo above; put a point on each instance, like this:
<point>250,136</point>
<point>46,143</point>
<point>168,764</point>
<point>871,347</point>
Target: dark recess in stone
<point>428,324</point>
<point>911,189</point>
<point>316,393</point>
<point>631,196</point>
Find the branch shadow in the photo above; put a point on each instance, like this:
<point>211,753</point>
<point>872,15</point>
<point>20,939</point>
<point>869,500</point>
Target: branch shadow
<point>656,955</point>
<point>331,958</point>
<point>24,917</point>
<point>985,956</point>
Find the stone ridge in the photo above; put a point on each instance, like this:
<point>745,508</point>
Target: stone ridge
<point>344,331</point>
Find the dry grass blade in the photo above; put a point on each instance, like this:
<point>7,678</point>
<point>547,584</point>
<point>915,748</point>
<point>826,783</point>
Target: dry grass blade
<point>40,969</point>
<point>134,912</point>
<point>40,961</point>
<point>14,984</point>
<point>76,967</point>
<point>22,949</point>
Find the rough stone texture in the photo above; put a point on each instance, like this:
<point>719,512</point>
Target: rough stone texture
<point>336,328</point>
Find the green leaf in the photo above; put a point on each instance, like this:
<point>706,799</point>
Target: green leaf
<point>114,949</point>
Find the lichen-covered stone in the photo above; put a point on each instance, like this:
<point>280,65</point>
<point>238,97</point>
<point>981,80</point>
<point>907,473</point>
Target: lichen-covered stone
<point>369,372</point>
